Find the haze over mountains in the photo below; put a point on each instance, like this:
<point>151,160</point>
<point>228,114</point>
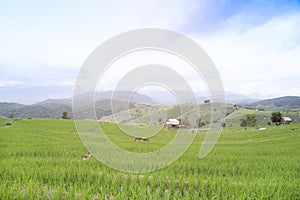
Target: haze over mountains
<point>53,108</point>
<point>281,103</point>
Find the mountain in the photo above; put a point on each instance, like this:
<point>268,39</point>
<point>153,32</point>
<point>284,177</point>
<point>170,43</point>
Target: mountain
<point>158,115</point>
<point>166,98</point>
<point>9,109</point>
<point>133,97</point>
<point>127,96</point>
<point>235,98</point>
<point>53,108</point>
<point>39,110</point>
<point>286,103</point>
<point>124,100</point>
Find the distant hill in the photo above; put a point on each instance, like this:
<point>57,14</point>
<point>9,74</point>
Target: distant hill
<point>142,109</point>
<point>53,108</point>
<point>263,117</point>
<point>157,115</point>
<point>169,99</point>
<point>4,121</point>
<point>152,115</point>
<point>127,96</point>
<point>10,109</point>
<point>287,103</point>
<point>235,98</point>
<point>133,97</point>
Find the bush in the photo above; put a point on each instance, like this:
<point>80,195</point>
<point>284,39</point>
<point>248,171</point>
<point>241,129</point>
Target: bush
<point>8,123</point>
<point>269,123</point>
<point>249,121</point>
<point>276,117</point>
<point>65,115</point>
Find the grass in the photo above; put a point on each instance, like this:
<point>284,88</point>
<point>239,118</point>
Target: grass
<point>156,115</point>
<point>41,159</point>
<point>160,115</point>
<point>263,117</point>
<point>4,121</point>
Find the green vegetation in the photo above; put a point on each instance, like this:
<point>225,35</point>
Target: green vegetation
<point>65,115</point>
<point>263,117</point>
<point>157,115</point>
<point>42,159</point>
<point>287,103</point>
<point>276,117</point>
<point>5,121</point>
<point>54,109</point>
<point>249,121</point>
<point>234,115</point>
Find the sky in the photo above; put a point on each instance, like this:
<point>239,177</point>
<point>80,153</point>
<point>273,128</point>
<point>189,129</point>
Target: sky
<point>255,45</point>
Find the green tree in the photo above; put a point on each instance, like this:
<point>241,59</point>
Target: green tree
<point>200,122</point>
<point>249,121</point>
<point>185,121</point>
<point>276,117</point>
<point>65,115</point>
<point>159,120</point>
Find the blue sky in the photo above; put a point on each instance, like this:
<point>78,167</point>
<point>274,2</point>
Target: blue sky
<point>211,16</point>
<point>254,44</point>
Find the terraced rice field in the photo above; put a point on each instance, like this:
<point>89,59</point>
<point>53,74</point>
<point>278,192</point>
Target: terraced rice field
<point>42,159</point>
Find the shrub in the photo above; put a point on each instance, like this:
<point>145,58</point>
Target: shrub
<point>249,121</point>
<point>65,115</point>
<point>8,123</point>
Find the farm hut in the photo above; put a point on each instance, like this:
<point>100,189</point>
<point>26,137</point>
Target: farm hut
<point>172,123</point>
<point>286,120</point>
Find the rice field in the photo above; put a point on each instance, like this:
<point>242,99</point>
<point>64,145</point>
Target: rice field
<point>42,159</point>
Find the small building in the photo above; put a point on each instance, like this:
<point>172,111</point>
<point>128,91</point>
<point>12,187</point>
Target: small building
<point>286,120</point>
<point>172,123</point>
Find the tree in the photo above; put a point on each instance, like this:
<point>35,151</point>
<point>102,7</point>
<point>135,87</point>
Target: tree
<point>249,121</point>
<point>243,123</point>
<point>185,121</point>
<point>65,115</point>
<point>179,119</point>
<point>159,120</point>
<point>276,117</point>
<point>200,122</point>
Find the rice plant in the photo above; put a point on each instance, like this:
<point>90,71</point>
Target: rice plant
<point>42,159</point>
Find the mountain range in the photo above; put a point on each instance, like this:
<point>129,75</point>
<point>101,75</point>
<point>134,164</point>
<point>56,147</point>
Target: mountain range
<point>53,108</point>
<point>287,103</point>
<point>123,100</point>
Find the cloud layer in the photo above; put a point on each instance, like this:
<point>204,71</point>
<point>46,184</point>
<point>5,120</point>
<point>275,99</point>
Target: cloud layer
<point>254,44</point>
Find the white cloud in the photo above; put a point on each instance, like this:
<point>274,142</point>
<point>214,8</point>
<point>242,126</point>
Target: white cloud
<point>67,35</point>
<point>9,83</point>
<point>256,61</point>
<point>47,44</point>
<point>44,44</point>
<point>126,65</point>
